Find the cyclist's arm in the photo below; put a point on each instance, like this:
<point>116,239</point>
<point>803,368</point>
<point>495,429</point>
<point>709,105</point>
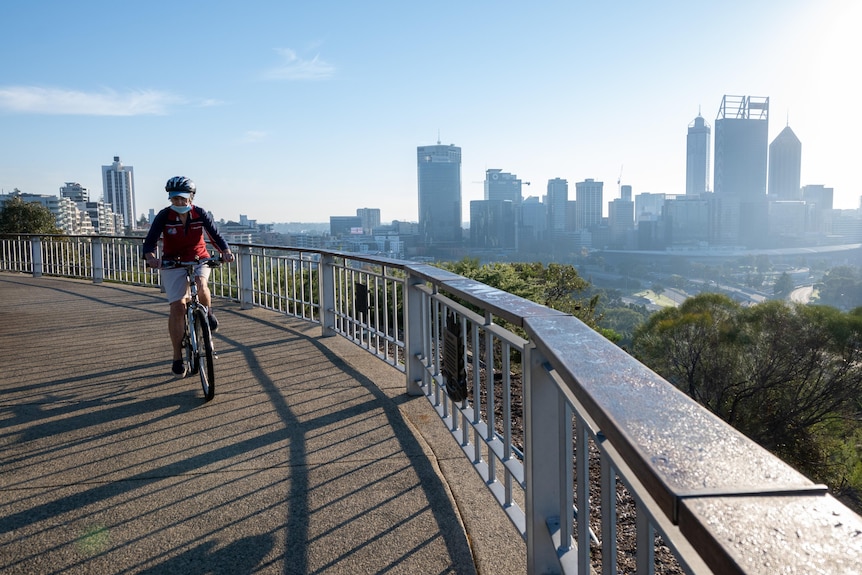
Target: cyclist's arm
<point>152,239</point>
<point>215,237</point>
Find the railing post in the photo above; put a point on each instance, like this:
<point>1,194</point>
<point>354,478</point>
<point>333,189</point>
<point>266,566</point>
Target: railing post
<point>246,291</point>
<point>98,260</point>
<point>36,255</point>
<point>326,279</point>
<point>543,466</point>
<point>413,330</point>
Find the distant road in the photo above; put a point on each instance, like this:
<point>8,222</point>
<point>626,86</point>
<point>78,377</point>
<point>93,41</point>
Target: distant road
<point>802,294</point>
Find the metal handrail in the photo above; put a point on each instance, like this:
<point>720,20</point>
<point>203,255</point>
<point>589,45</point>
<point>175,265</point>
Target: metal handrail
<point>695,481</point>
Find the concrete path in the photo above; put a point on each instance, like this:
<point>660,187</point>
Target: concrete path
<point>310,459</point>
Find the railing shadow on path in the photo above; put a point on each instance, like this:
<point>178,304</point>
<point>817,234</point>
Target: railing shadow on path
<point>303,463</point>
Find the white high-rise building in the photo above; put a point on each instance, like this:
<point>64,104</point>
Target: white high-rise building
<point>588,204</point>
<point>697,157</point>
<point>118,185</point>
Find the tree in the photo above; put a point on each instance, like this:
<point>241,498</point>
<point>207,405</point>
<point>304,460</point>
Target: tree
<point>841,287</point>
<point>20,217</point>
<point>557,286</point>
<point>780,373</point>
<point>783,286</point>
<point>686,346</point>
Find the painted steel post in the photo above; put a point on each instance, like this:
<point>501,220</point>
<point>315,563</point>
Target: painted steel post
<point>326,285</point>
<point>98,260</point>
<point>36,255</point>
<point>246,291</point>
<point>542,463</point>
<point>413,330</point>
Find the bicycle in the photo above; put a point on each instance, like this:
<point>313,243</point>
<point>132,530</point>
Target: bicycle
<point>197,340</point>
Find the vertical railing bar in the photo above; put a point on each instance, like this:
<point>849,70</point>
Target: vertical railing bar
<point>507,419</point>
<point>477,390</point>
<point>609,515</point>
<point>645,541</point>
<point>565,479</point>
<point>583,494</point>
<point>388,283</point>
<point>490,395</point>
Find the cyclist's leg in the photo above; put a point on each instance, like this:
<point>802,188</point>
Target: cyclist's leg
<point>202,274</point>
<point>177,327</point>
<point>176,290</point>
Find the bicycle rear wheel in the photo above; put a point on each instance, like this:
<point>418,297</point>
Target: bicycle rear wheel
<point>205,355</point>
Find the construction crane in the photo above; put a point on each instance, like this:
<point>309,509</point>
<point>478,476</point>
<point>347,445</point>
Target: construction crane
<point>619,182</point>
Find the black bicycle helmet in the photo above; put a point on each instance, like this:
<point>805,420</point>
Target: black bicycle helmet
<point>180,184</point>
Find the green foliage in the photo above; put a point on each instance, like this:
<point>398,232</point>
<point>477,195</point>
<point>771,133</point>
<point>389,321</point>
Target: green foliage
<point>841,287</point>
<point>624,320</point>
<point>557,286</point>
<point>786,375</point>
<point>783,286</point>
<point>20,217</point>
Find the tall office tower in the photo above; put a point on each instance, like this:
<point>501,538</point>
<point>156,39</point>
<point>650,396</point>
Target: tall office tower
<point>621,219</point>
<point>534,224</point>
<point>626,193</point>
<point>439,170</point>
<point>785,166</point>
<point>697,157</point>
<point>557,201</point>
<point>588,204</point>
<point>500,185</point>
<point>370,219</point>
<point>118,188</point>
<point>492,224</point>
<point>741,145</point>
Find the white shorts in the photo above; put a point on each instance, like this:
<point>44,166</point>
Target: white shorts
<point>175,284</point>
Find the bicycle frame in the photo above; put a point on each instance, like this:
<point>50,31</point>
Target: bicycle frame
<point>197,340</point>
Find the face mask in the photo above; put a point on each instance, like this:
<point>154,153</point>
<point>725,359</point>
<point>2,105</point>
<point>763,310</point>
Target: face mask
<point>181,209</point>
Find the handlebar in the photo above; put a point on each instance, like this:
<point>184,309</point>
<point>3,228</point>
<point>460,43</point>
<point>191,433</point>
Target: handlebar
<point>211,262</point>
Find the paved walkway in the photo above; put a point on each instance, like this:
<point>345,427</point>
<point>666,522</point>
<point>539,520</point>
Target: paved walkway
<point>310,459</point>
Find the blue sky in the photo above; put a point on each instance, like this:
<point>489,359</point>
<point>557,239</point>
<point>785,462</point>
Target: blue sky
<point>295,111</point>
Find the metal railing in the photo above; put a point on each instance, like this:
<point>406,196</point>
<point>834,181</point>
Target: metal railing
<point>559,422</point>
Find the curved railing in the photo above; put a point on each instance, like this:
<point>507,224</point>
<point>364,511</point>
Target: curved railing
<point>554,417</point>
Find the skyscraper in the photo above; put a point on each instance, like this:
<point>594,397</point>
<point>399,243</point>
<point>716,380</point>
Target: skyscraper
<point>785,166</point>
<point>439,171</point>
<point>500,185</point>
<point>118,187</point>
<point>697,157</point>
<point>558,201</point>
<point>741,144</point>
<point>588,204</point>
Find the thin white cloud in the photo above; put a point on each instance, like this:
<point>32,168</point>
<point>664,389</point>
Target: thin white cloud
<point>294,67</point>
<point>253,136</point>
<point>58,101</point>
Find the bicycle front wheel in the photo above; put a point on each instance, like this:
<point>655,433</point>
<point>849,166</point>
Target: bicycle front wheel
<point>205,355</point>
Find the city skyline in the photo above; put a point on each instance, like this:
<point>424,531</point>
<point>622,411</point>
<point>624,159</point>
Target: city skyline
<point>313,112</point>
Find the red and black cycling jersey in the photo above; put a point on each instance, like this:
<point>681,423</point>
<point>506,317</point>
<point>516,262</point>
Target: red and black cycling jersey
<point>183,241</point>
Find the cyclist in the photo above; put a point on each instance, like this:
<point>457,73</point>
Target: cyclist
<point>181,227</point>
